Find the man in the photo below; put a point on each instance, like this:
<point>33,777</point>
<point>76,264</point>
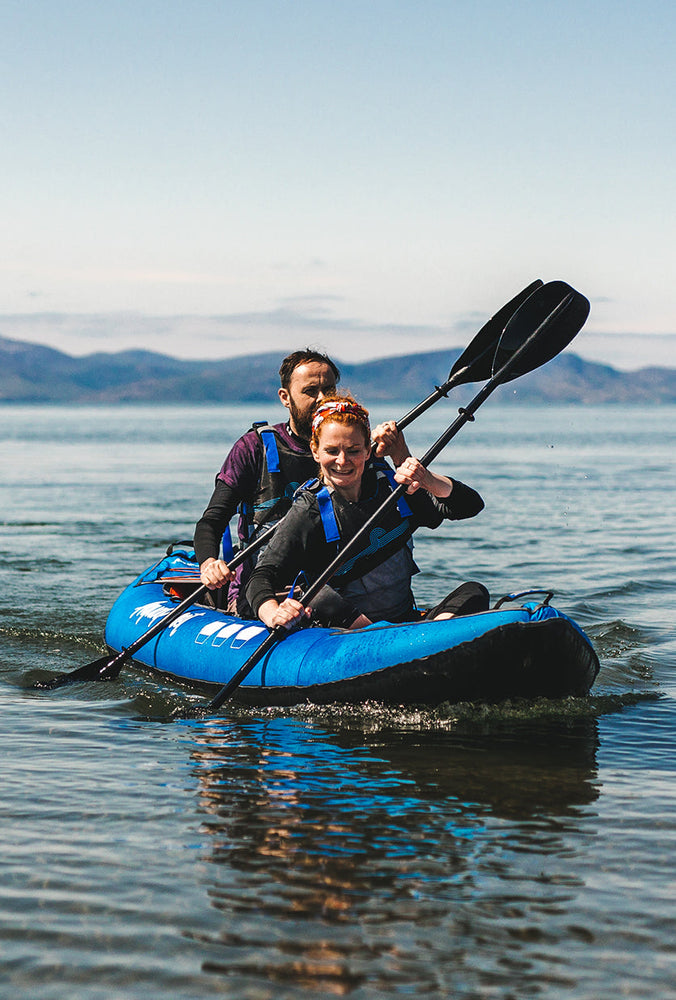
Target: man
<point>265,467</point>
<point>261,473</point>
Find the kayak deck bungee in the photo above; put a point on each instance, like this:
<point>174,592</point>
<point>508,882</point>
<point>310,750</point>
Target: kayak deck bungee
<point>519,652</point>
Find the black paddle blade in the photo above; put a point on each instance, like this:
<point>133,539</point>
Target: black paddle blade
<point>106,668</point>
<point>560,330</point>
<point>475,364</point>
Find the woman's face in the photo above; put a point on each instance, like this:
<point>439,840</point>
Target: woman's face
<point>341,455</point>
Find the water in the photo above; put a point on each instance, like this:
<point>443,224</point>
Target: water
<point>521,851</point>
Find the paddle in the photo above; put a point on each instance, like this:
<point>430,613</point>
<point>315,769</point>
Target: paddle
<point>473,365</point>
<point>556,310</point>
<point>107,668</point>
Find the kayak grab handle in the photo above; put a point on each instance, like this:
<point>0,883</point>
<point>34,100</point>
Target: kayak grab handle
<point>525,593</point>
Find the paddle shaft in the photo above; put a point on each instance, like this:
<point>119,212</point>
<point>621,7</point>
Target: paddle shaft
<point>466,414</point>
<point>434,397</point>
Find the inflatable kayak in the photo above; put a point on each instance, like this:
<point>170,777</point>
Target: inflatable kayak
<point>526,651</point>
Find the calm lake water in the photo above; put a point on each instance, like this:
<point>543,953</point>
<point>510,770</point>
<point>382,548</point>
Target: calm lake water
<point>511,852</point>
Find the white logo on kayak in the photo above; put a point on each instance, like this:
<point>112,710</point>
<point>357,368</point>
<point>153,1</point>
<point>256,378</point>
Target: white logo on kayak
<point>237,632</point>
<point>158,609</point>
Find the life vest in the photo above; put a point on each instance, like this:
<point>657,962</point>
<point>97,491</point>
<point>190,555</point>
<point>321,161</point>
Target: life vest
<point>282,471</point>
<point>342,520</point>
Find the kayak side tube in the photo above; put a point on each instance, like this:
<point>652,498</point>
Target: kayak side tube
<point>528,651</point>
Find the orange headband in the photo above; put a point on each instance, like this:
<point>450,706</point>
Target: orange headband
<point>348,406</point>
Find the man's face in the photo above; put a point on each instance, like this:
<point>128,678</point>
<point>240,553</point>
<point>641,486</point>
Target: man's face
<point>308,383</point>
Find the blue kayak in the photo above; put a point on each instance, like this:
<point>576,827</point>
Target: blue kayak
<point>525,651</point>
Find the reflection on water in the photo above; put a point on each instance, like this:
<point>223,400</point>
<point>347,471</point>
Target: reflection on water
<point>341,840</point>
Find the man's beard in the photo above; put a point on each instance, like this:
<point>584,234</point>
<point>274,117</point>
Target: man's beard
<point>301,421</point>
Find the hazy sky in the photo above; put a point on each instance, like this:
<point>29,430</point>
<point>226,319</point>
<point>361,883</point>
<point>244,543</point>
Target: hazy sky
<point>215,177</point>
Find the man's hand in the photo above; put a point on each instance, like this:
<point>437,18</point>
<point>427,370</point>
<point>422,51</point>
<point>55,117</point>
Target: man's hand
<point>215,573</point>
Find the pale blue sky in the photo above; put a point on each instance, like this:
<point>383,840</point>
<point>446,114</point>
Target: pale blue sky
<point>212,178</point>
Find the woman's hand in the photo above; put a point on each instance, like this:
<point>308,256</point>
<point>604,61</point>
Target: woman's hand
<point>289,613</point>
<point>415,476</point>
<point>389,440</point>
<point>215,573</point>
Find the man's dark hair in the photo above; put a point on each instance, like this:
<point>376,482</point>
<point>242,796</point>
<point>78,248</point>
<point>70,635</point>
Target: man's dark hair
<point>292,361</point>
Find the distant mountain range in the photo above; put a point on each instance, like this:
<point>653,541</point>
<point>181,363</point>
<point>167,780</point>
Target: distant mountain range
<point>32,373</point>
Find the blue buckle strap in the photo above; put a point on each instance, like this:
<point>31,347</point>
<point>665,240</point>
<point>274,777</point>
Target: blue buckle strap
<point>228,549</point>
<point>402,506</point>
<point>269,439</point>
<point>328,515</point>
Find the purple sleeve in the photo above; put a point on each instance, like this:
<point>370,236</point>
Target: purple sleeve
<point>236,481</point>
<point>241,468</point>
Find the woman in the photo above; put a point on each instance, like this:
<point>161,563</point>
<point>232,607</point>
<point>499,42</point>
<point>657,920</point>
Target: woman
<point>374,585</point>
